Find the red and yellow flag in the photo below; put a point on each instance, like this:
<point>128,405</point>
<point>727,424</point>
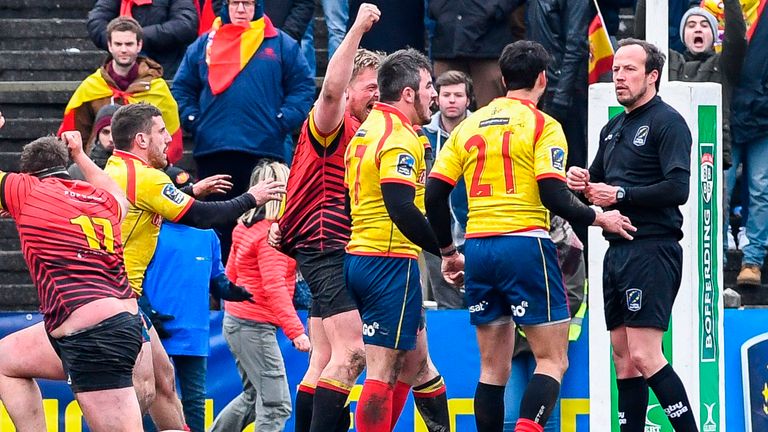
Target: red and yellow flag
<point>231,48</point>
<point>126,6</point>
<point>94,87</point>
<point>206,14</point>
<point>600,49</point>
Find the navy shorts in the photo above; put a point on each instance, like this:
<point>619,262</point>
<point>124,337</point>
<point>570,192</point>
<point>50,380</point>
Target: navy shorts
<point>641,279</point>
<point>514,276</point>
<point>388,295</point>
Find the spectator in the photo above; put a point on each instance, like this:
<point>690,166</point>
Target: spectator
<point>561,27</point>
<point>749,134</point>
<point>125,77</point>
<point>401,25</point>
<point>169,26</point>
<point>198,252</point>
<point>454,97</point>
<point>291,16</point>
<point>100,144</point>
<point>676,10</point>
<point>336,14</point>
<point>242,112</point>
<point>249,328</point>
<point>469,36</point>
<point>570,256</point>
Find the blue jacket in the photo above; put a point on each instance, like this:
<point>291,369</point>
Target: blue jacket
<point>749,106</point>
<point>459,203</point>
<point>268,99</point>
<point>178,282</point>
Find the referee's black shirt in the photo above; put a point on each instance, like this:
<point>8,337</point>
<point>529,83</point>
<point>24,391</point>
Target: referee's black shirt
<point>648,153</point>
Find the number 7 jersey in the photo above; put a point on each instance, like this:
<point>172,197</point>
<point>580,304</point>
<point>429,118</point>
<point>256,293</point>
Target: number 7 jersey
<point>501,151</point>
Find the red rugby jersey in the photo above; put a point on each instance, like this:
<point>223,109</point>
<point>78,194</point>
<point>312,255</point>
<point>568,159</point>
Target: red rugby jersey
<point>70,238</point>
<point>314,217</point>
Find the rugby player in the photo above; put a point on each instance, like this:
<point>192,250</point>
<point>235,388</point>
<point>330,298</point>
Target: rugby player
<point>512,157</point>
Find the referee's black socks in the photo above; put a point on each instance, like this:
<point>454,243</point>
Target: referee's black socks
<point>668,388</point>
<point>633,403</point>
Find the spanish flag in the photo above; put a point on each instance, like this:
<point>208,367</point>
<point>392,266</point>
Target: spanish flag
<point>206,14</point>
<point>600,49</point>
<point>231,47</point>
<point>94,87</point>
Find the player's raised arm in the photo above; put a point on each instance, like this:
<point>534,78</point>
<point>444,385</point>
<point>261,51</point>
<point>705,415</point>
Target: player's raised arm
<point>92,173</point>
<point>330,106</point>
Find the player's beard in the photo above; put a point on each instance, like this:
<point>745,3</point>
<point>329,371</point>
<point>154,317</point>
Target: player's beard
<point>156,157</point>
<point>630,100</point>
<point>422,110</point>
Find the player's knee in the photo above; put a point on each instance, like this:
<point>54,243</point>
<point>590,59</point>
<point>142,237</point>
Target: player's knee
<point>355,361</point>
<point>644,360</point>
<point>165,382</point>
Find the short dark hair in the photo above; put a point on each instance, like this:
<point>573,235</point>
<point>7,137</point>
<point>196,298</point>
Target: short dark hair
<point>399,70</point>
<point>654,58</point>
<point>124,23</point>
<point>453,77</point>
<point>43,153</point>
<point>521,63</point>
<point>130,120</point>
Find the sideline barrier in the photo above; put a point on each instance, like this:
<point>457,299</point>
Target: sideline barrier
<point>454,351</point>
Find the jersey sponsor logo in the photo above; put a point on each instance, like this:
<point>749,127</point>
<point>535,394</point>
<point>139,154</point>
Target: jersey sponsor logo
<point>81,197</point>
<point>405,163</point>
<point>558,158</point>
<point>361,133</point>
<point>157,220</point>
<point>498,121</point>
<point>640,136</point>
<point>519,310</point>
<point>172,193</point>
<point>634,299</point>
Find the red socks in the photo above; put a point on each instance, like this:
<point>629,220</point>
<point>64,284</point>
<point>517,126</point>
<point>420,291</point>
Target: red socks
<point>374,408</point>
<point>526,425</point>
<point>399,396</point>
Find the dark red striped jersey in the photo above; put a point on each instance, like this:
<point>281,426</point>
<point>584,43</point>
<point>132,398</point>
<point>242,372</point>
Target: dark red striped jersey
<point>70,237</point>
<point>314,217</point>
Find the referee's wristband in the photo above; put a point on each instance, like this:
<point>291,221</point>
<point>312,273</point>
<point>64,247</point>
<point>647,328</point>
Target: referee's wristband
<point>450,252</point>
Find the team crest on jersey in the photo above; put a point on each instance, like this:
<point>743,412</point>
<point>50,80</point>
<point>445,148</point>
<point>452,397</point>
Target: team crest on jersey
<point>173,194</point>
<point>641,136</point>
<point>634,299</point>
<point>405,163</point>
<point>182,177</point>
<point>558,158</point>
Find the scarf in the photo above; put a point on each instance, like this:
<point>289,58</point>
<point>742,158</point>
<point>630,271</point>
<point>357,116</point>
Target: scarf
<point>126,6</point>
<point>231,47</point>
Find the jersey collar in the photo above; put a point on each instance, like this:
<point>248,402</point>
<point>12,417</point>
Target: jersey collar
<point>129,156</point>
<point>384,107</point>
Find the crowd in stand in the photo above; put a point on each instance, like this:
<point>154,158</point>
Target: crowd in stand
<point>244,83</point>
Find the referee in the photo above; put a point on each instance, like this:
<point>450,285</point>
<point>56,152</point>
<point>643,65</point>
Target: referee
<point>642,168</point>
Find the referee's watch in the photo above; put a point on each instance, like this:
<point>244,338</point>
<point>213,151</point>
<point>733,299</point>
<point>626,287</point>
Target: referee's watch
<point>621,194</point>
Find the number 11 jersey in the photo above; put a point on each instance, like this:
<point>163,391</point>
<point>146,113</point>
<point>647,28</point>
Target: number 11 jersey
<point>501,151</point>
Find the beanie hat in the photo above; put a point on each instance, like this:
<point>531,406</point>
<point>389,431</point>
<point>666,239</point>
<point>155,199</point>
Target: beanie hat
<point>700,12</point>
<point>104,117</point>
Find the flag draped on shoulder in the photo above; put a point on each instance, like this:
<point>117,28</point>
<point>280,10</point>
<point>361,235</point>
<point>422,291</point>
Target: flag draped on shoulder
<point>206,16</point>
<point>94,87</point>
<point>231,47</point>
<point>600,49</point>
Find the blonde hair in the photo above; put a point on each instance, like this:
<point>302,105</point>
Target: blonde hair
<point>267,170</point>
<point>365,59</point>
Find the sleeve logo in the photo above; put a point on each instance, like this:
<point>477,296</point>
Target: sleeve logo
<point>405,163</point>
<point>558,158</point>
<point>173,194</point>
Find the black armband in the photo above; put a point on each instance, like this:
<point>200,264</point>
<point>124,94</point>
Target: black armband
<point>205,214</point>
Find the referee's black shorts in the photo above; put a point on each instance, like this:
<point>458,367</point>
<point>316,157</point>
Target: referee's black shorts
<point>324,273</point>
<point>640,282</point>
<point>101,357</point>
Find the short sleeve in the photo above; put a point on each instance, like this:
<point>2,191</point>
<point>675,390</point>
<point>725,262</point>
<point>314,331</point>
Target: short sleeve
<point>399,164</point>
<point>550,152</point>
<point>156,193</point>
<point>449,165</point>
<point>14,189</point>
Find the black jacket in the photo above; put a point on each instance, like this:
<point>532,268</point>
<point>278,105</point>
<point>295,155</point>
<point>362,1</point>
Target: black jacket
<point>749,107</point>
<point>169,26</point>
<point>561,26</point>
<point>401,25</point>
<point>471,28</point>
